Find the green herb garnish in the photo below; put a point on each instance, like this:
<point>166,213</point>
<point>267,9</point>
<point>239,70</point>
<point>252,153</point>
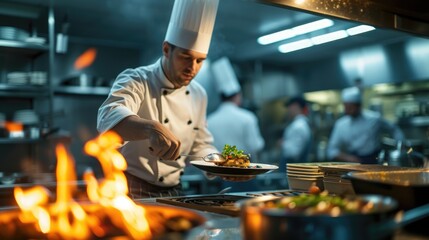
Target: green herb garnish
<point>231,152</point>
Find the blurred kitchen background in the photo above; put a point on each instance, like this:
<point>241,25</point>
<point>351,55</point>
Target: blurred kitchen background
<point>59,58</point>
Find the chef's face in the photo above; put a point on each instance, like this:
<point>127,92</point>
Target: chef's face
<point>293,110</point>
<point>181,65</point>
<point>352,109</point>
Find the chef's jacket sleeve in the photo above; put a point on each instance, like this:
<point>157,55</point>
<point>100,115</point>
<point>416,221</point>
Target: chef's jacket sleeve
<point>124,100</point>
<point>334,144</point>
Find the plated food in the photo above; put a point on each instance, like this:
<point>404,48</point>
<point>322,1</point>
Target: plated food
<point>237,164</point>
<point>231,171</point>
<point>234,157</point>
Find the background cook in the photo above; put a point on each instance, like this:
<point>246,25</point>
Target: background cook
<point>231,124</point>
<point>356,136</point>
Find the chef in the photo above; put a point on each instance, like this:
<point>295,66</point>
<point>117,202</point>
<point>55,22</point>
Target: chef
<point>158,110</point>
<point>356,136</point>
<point>297,137</point>
<point>229,123</point>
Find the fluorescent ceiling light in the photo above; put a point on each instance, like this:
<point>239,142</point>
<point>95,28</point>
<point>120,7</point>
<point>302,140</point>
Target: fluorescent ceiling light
<point>276,37</point>
<point>313,26</point>
<point>359,29</point>
<point>293,46</point>
<point>298,30</point>
<point>305,43</point>
<point>329,37</point>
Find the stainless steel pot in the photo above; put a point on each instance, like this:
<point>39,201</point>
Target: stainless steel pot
<point>409,187</point>
<point>259,223</point>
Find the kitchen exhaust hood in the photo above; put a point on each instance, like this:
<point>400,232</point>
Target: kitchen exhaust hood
<point>409,16</point>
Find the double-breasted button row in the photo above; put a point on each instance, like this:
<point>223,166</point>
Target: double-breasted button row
<point>166,120</point>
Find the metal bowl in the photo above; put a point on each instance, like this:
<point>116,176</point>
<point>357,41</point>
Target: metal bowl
<point>260,223</point>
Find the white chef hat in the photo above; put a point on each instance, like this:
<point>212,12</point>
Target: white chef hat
<point>191,24</point>
<point>351,95</point>
<point>225,77</point>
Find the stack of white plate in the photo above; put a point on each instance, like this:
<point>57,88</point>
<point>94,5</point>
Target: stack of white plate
<point>38,78</point>
<point>26,117</point>
<point>12,33</point>
<point>23,78</point>
<point>18,78</point>
<point>301,176</point>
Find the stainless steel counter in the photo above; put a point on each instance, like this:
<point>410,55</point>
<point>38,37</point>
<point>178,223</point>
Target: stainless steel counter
<point>219,226</point>
<point>229,228</point>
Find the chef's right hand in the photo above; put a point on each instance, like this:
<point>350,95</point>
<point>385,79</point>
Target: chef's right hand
<point>163,143</point>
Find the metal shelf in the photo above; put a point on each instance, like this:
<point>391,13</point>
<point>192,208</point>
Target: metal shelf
<point>59,137</point>
<point>417,121</point>
<point>32,49</point>
<point>77,90</point>
<point>26,91</point>
<point>19,15</point>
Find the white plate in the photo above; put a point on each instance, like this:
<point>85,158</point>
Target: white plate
<point>252,170</point>
<point>303,176</point>
<point>304,173</point>
<point>300,169</point>
<point>315,165</point>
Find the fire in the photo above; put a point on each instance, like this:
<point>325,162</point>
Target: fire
<point>85,59</point>
<point>14,126</point>
<point>66,218</point>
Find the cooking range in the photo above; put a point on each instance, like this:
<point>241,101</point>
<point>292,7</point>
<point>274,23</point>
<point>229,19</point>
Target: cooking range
<point>220,203</point>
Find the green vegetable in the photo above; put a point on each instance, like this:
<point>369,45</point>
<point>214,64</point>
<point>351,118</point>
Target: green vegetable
<point>311,203</point>
<point>231,151</point>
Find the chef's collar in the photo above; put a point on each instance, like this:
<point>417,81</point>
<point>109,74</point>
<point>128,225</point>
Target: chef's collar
<point>165,83</point>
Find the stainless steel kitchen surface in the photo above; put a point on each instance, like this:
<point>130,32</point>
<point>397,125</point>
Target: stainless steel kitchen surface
<point>224,218</point>
<point>390,62</point>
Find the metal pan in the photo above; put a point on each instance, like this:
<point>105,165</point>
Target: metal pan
<point>260,223</point>
<point>409,187</point>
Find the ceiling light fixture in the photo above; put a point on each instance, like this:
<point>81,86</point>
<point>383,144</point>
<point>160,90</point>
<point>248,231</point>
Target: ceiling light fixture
<point>324,38</point>
<point>293,46</point>
<point>359,29</point>
<point>295,31</point>
<point>329,37</point>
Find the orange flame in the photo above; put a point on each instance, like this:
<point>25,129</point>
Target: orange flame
<point>14,126</point>
<point>85,59</point>
<point>66,216</point>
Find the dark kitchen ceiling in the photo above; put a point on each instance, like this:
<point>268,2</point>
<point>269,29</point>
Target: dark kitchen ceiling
<point>142,24</point>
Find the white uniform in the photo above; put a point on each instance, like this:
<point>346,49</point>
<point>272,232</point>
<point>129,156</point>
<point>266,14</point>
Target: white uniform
<point>297,140</point>
<point>147,93</point>
<point>233,125</point>
<point>361,135</point>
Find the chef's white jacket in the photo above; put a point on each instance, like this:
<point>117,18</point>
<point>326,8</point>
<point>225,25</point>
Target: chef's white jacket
<point>147,93</point>
<point>233,125</point>
<point>360,135</point>
<point>297,139</point>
